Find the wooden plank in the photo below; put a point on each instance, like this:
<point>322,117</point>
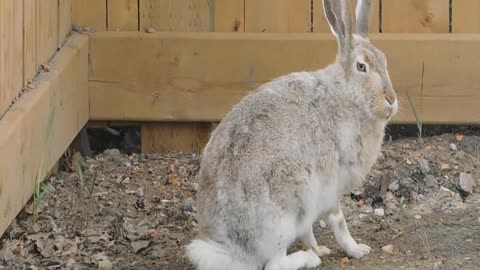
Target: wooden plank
<point>320,24</point>
<point>11,52</point>
<point>465,17</point>
<point>30,41</point>
<point>279,16</point>
<point>90,13</point>
<point>175,15</point>
<point>230,16</point>
<point>23,129</point>
<point>47,30</point>
<point>64,20</point>
<point>414,16</point>
<point>122,15</point>
<point>200,76</point>
<point>175,137</point>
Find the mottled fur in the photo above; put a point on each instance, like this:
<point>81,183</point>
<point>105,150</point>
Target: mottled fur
<point>287,152</point>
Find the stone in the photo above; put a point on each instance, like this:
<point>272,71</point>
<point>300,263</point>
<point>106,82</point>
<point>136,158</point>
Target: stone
<point>394,186</point>
<point>430,181</point>
<point>453,147</point>
<point>379,212</point>
<point>424,165</point>
<point>388,249</point>
<point>190,205</point>
<point>466,182</point>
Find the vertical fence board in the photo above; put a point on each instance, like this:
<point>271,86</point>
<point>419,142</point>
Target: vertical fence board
<point>180,16</point>
<point>122,15</point>
<point>30,40</point>
<point>415,16</point>
<point>90,13</point>
<point>320,24</point>
<point>278,16</point>
<point>64,20</point>
<point>175,15</point>
<point>230,16</point>
<point>47,30</point>
<point>11,51</point>
<point>465,17</point>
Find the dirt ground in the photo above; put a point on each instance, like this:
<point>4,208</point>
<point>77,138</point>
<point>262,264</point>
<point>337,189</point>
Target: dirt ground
<point>138,211</point>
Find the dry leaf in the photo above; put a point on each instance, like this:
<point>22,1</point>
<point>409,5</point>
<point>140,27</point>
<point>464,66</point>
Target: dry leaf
<point>344,260</point>
<point>174,179</point>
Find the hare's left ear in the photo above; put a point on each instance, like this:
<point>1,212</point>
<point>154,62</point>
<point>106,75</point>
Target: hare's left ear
<point>363,17</point>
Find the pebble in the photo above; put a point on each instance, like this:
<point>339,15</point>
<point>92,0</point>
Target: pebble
<point>379,212</point>
<point>430,181</point>
<point>453,147</point>
<point>417,217</point>
<point>140,192</point>
<point>323,224</point>
<point>344,260</point>
<point>466,182</point>
<point>388,249</point>
<point>424,165</point>
<point>105,265</point>
<point>112,152</point>
<point>394,186</point>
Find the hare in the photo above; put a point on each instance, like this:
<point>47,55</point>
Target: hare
<point>288,151</point>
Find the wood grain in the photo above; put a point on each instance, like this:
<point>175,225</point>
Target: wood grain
<point>122,15</point>
<point>90,13</point>
<point>22,129</point>
<point>280,16</point>
<point>465,17</point>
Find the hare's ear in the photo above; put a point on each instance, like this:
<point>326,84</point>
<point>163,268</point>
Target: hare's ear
<point>339,18</point>
<point>363,17</point>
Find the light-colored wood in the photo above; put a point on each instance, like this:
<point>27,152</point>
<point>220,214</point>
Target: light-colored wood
<point>122,15</point>
<point>90,13</point>
<point>175,15</point>
<point>175,137</point>
<point>320,24</point>
<point>23,128</point>
<point>29,41</point>
<point>465,17</point>
<point>64,20</point>
<point>11,51</point>
<point>47,30</point>
<point>230,16</point>
<point>278,16</point>
<point>415,16</point>
<point>200,76</point>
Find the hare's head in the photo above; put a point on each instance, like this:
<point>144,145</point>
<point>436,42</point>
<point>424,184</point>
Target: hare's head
<point>364,66</point>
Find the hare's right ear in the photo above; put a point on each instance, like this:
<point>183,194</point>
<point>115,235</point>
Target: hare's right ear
<point>339,18</point>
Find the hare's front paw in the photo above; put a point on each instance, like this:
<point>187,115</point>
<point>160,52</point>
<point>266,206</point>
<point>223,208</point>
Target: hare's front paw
<point>311,259</point>
<point>322,251</point>
<point>358,251</point>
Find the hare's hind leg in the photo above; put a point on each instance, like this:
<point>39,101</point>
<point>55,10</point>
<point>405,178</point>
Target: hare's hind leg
<point>294,261</point>
<point>309,242</point>
<point>343,236</point>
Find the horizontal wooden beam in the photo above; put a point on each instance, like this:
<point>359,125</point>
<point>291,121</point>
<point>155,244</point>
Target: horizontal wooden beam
<point>61,93</point>
<point>200,76</point>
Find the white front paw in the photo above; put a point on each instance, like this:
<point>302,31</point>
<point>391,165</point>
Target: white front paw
<point>358,251</point>
<point>312,259</point>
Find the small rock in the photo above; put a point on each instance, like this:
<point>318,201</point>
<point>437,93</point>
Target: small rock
<point>140,192</point>
<point>466,182</point>
<point>139,245</point>
<point>430,181</point>
<point>156,252</point>
<point>150,30</point>
<point>394,186</point>
<point>424,165</point>
<point>417,217</point>
<point>344,260</point>
<point>459,137</point>
<point>112,152</point>
<point>379,212</point>
<point>105,265</point>
<point>70,263</point>
<point>388,249</point>
<point>453,147</point>
<point>390,201</point>
<point>361,203</point>
<point>194,187</point>
<point>323,224</point>
<point>190,205</point>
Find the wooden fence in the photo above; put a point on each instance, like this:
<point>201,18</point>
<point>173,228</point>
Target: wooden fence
<point>31,31</point>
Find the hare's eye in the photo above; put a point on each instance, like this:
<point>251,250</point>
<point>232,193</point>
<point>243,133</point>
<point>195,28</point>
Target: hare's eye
<point>361,67</point>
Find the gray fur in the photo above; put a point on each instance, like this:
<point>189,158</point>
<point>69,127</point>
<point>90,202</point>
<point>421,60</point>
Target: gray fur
<point>261,159</point>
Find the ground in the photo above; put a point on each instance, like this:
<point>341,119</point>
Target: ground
<point>138,211</point>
